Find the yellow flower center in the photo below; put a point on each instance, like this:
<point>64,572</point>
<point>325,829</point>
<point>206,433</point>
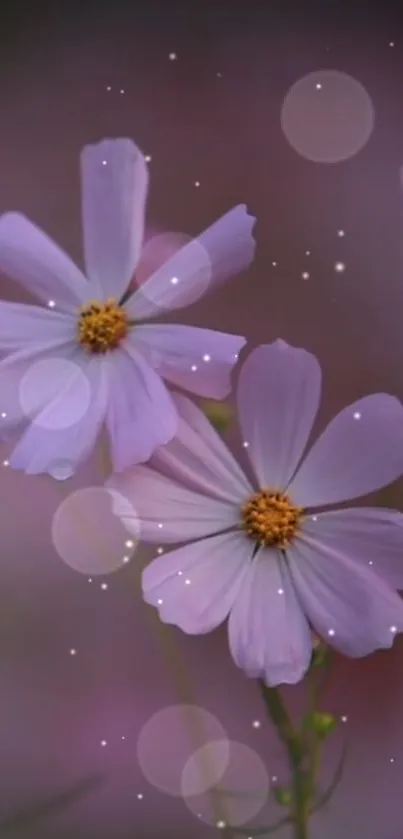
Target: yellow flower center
<point>270,519</point>
<point>102,326</point>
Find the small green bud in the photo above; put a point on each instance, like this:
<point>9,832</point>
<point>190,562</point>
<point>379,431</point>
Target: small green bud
<point>320,654</point>
<point>283,796</point>
<point>219,413</point>
<point>322,723</point>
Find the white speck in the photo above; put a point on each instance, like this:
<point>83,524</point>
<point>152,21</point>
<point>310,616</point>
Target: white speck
<point>125,560</point>
<point>357,415</point>
<point>314,518</point>
<point>140,796</point>
<point>160,525</point>
<point>307,253</point>
<point>207,357</point>
<point>3,414</point>
<point>274,779</point>
<point>104,586</point>
<point>187,582</point>
<point>391,760</point>
<point>73,651</point>
<point>280,591</point>
<point>221,824</point>
<point>344,718</point>
<point>256,724</point>
<point>159,602</point>
<point>245,444</point>
<point>391,43</point>
<point>393,629</point>
<point>197,183</point>
<point>219,75</point>
<point>318,86</point>
<point>103,742</point>
<point>90,579</point>
<point>370,562</point>
<point>6,463</point>
<point>339,267</point>
<point>305,275</point>
<point>172,56</point>
<point>274,264</point>
<point>236,356</point>
<point>160,550</point>
<point>148,158</point>
<point>129,544</point>
<point>180,573</point>
<point>109,88</point>
<point>104,163</point>
<point>51,304</point>
<point>341,233</point>
<point>193,368</point>
<point>123,737</point>
<point>174,281</point>
<point>122,90</point>
<point>331,632</point>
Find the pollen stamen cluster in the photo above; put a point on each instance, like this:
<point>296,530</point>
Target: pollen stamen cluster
<point>270,519</point>
<point>102,326</point>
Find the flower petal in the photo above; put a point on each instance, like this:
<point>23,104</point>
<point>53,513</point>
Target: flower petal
<point>369,536</point>
<point>167,512</point>
<point>352,608</point>
<point>359,452</point>
<point>220,252</point>
<point>141,415</point>
<point>198,360</point>
<point>114,191</point>
<point>30,257</point>
<point>195,586</point>
<point>198,457</point>
<point>269,636</point>
<point>23,326</point>
<point>42,447</point>
<point>278,398</point>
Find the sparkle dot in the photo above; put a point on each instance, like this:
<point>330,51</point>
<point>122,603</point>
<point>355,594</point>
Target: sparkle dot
<point>6,463</point>
<point>104,163</point>
<point>245,444</point>
<point>51,304</point>
<point>148,158</point>
<point>73,651</point>
<point>159,602</point>
<point>125,560</point>
<point>341,233</point>
<point>219,75</point>
<point>123,737</point>
<point>393,629</point>
<point>314,518</point>
<point>256,724</point>
<point>391,43</point>
<point>197,183</point>
<point>339,267</point>
<point>122,90</point>
<point>187,582</point>
<point>180,573</point>
<point>104,586</point>
<point>174,280</point>
<point>357,415</point>
<point>90,579</point>
<point>160,525</point>
<point>274,779</point>
<point>3,414</point>
<point>305,275</point>
<point>207,358</point>
<point>370,562</point>
<point>160,550</point>
<point>391,760</point>
<point>140,796</point>
<point>129,543</point>
<point>274,264</point>
<point>193,368</point>
<point>331,632</point>
<point>109,88</point>
<point>344,718</point>
<point>221,824</point>
<point>318,86</point>
<point>307,253</point>
<point>280,591</point>
<point>172,56</point>
<point>104,743</point>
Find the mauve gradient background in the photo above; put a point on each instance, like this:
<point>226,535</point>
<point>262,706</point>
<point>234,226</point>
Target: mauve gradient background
<point>223,131</point>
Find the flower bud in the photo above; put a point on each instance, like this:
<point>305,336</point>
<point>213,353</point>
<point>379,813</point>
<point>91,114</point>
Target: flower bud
<point>322,723</point>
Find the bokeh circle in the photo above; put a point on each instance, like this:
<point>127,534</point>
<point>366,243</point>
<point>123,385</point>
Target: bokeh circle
<point>327,116</point>
<point>169,739</point>
<point>55,393</point>
<point>89,536</point>
<point>238,795</point>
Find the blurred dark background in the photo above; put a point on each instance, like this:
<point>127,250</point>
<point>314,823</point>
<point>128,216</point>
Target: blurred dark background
<point>206,89</point>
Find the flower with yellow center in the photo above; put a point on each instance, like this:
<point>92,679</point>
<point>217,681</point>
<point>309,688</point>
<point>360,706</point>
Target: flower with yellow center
<point>270,519</point>
<point>102,326</point>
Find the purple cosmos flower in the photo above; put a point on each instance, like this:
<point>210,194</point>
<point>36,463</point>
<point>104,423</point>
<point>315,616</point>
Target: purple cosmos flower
<point>261,555</point>
<point>94,327</point>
